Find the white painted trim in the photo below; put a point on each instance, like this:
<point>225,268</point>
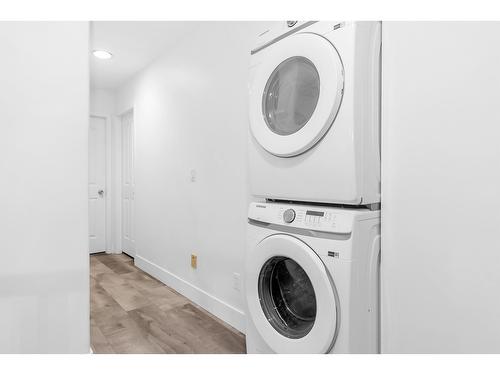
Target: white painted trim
<point>132,172</point>
<point>108,178</point>
<point>117,183</point>
<point>123,113</point>
<point>214,305</point>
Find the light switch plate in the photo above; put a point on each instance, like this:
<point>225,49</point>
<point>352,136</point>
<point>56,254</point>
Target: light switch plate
<point>236,281</point>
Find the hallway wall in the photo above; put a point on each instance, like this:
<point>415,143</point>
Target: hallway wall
<point>44,282</point>
<point>440,184</point>
<point>190,109</point>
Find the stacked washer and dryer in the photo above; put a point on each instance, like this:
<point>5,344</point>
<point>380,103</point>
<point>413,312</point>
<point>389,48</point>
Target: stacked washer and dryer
<point>313,249</point>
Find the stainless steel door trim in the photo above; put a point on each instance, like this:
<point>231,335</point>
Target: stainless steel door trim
<point>301,231</point>
<point>282,36</point>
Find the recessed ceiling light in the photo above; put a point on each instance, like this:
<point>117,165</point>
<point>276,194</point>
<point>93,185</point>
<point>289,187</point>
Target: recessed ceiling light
<point>103,55</point>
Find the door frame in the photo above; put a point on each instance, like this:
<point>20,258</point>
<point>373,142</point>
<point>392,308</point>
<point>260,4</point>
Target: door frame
<point>108,195</point>
<point>119,134</point>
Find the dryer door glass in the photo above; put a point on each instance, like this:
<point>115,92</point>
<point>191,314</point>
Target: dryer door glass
<point>290,95</point>
<point>296,88</point>
<point>287,297</point>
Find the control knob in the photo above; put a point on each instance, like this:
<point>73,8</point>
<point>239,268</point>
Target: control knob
<point>289,215</point>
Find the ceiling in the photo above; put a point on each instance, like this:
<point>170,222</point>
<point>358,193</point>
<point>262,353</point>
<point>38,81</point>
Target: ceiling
<point>134,44</point>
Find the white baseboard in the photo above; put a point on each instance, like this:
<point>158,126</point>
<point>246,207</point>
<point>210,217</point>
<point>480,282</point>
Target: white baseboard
<point>214,305</point>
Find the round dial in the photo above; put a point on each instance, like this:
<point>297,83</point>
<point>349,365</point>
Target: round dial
<point>289,215</point>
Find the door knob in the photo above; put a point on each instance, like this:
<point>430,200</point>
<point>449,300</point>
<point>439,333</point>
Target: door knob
<point>101,193</point>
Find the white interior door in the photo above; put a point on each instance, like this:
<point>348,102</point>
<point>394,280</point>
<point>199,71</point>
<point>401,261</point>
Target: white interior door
<point>128,184</point>
<point>97,182</point>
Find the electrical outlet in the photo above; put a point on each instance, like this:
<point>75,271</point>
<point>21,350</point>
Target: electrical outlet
<point>236,281</point>
<point>194,261</point>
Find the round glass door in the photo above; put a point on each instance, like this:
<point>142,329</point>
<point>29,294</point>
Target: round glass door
<point>291,298</point>
<point>291,95</point>
<point>296,88</point>
<point>287,297</point>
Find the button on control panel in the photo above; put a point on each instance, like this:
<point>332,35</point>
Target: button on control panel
<point>289,215</point>
<point>319,219</point>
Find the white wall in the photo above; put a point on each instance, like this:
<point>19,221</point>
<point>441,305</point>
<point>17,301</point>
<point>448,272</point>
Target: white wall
<point>440,187</point>
<point>102,104</point>
<point>190,112</point>
<point>44,287</point>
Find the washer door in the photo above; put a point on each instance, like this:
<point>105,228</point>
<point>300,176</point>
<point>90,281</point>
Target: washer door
<point>295,93</point>
<point>291,299</point>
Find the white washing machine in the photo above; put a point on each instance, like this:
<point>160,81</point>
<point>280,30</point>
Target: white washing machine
<point>314,111</point>
<point>312,279</point>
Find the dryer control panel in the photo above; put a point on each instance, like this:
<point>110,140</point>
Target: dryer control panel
<point>318,218</point>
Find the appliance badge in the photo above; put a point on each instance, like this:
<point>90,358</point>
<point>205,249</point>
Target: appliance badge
<point>260,206</point>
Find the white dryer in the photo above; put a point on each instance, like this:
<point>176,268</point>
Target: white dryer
<point>312,279</point>
<point>314,112</point>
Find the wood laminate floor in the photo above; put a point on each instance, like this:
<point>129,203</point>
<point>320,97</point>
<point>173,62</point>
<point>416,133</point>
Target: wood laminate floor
<point>131,312</point>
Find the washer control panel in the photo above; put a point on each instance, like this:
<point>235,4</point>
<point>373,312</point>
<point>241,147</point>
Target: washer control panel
<point>326,219</point>
<point>316,218</point>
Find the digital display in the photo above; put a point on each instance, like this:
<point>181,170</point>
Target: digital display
<point>315,213</point>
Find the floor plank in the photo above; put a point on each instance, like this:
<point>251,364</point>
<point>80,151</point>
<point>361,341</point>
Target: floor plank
<point>100,344</point>
<point>159,330</point>
<point>98,268</point>
<point>132,312</point>
<point>117,264</point>
<point>142,281</point>
<point>128,297</point>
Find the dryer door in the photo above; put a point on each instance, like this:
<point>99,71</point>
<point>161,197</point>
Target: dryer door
<point>295,93</point>
<point>291,298</point>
